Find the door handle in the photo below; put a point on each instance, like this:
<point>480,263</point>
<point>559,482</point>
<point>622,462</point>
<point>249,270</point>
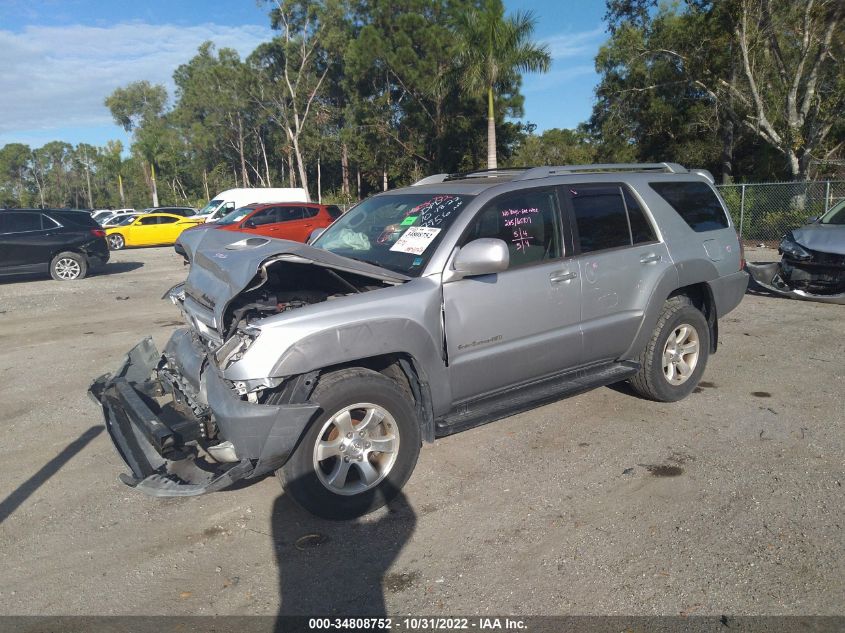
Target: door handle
<point>561,276</point>
<point>651,258</point>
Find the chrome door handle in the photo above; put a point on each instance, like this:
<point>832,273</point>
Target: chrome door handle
<point>561,276</point>
<point>651,258</point>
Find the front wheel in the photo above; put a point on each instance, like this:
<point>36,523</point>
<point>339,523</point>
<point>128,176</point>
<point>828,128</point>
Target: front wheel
<point>359,452</point>
<point>116,241</point>
<point>673,361</point>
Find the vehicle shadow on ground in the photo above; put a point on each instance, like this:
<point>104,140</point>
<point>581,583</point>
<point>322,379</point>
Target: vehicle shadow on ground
<point>14,500</point>
<point>118,267</point>
<point>338,568</point>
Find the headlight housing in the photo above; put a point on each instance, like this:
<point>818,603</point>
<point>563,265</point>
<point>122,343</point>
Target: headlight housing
<point>793,249</point>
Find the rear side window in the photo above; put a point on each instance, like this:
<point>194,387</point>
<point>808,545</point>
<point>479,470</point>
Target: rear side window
<point>75,219</point>
<point>148,220</point>
<point>695,202</point>
<point>600,217</point>
<point>167,220</point>
<point>641,230</point>
<point>334,212</point>
<point>19,222</point>
<point>287,214</point>
<point>310,212</point>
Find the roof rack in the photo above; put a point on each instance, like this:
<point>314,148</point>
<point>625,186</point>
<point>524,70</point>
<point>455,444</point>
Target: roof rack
<point>541,172</point>
<point>513,172</point>
<point>530,173</point>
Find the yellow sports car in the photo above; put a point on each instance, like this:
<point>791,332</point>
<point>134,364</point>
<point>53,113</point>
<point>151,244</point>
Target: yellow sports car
<point>150,229</point>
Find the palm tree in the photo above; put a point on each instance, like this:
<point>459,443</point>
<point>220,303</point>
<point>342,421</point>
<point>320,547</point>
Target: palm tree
<point>492,48</point>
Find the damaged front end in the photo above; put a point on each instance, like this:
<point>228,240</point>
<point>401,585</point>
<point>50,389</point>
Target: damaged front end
<point>182,429</point>
<point>803,272</point>
<point>197,417</point>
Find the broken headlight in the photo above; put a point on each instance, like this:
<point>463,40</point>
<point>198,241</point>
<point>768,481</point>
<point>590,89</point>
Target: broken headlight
<point>233,349</point>
<point>793,249</point>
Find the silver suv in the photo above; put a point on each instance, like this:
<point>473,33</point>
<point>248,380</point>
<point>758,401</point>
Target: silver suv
<point>422,312</point>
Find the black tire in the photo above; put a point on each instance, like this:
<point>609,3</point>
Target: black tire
<point>68,266</point>
<point>116,241</point>
<point>334,392</point>
<point>651,381</point>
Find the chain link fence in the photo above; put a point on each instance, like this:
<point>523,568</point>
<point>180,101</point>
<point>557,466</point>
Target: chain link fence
<point>764,212</point>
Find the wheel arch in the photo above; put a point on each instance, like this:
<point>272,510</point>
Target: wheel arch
<point>408,373</point>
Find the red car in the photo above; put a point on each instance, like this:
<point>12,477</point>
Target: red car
<point>284,220</point>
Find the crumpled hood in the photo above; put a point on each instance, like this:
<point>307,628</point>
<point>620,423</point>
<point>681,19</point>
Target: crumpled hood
<point>826,238</point>
<point>223,263</point>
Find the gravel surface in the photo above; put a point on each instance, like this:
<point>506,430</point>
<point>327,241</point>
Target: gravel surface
<point>728,502</point>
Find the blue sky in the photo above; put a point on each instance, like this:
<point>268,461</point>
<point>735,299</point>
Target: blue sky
<point>60,58</point>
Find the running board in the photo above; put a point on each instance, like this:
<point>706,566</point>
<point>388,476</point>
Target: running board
<point>526,396</point>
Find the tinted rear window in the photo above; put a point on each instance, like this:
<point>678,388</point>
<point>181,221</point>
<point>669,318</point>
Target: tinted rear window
<point>334,212</point>
<point>74,218</point>
<point>695,202</point>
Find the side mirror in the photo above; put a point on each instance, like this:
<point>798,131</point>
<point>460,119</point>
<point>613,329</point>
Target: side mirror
<point>484,256</point>
<point>314,235</point>
<point>812,219</point>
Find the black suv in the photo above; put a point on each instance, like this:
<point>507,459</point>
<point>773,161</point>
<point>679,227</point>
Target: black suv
<point>65,242</point>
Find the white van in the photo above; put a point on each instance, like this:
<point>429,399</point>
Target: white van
<point>231,199</point>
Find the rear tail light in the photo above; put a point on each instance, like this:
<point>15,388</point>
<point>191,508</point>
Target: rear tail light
<point>98,232</point>
<point>741,253</point>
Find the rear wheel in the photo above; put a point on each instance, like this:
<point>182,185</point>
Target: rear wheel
<point>674,359</point>
<point>68,266</point>
<point>116,241</point>
<point>359,452</point>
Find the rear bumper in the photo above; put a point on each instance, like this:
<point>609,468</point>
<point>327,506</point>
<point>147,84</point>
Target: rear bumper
<point>728,291</point>
<point>158,408</point>
<point>768,276</point>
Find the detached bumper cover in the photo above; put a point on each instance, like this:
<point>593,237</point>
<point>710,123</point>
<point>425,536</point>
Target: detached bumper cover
<point>163,459</point>
<point>768,276</point>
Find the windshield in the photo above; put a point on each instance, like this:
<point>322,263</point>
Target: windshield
<point>233,217</point>
<point>398,232</point>
<point>211,206</point>
<point>835,216</point>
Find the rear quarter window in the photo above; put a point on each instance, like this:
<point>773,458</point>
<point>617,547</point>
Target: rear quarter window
<point>72,219</point>
<point>695,202</point>
<point>334,212</point>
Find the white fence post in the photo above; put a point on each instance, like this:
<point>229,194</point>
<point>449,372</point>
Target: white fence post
<point>826,196</point>
<point>741,209</point>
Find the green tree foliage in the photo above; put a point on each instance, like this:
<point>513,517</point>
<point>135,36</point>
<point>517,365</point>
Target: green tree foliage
<point>349,97</point>
<point>749,86</point>
<point>555,147</point>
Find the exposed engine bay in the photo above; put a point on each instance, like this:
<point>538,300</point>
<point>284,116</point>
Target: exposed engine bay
<point>282,286</point>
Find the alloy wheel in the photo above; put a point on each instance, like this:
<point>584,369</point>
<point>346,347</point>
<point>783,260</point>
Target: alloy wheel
<point>680,354</point>
<point>356,449</point>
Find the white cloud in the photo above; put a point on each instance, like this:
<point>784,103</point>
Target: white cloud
<point>577,44</point>
<point>58,77</point>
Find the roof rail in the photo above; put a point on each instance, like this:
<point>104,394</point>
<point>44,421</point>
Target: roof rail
<point>541,172</point>
<point>431,180</point>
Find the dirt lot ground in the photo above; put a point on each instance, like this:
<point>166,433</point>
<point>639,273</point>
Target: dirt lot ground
<point>728,502</point>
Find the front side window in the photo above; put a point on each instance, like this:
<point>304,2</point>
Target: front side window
<point>233,217</point>
<point>398,232</point>
<point>146,221</point>
<point>527,222</point>
<point>265,216</point>
<point>695,202</point>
